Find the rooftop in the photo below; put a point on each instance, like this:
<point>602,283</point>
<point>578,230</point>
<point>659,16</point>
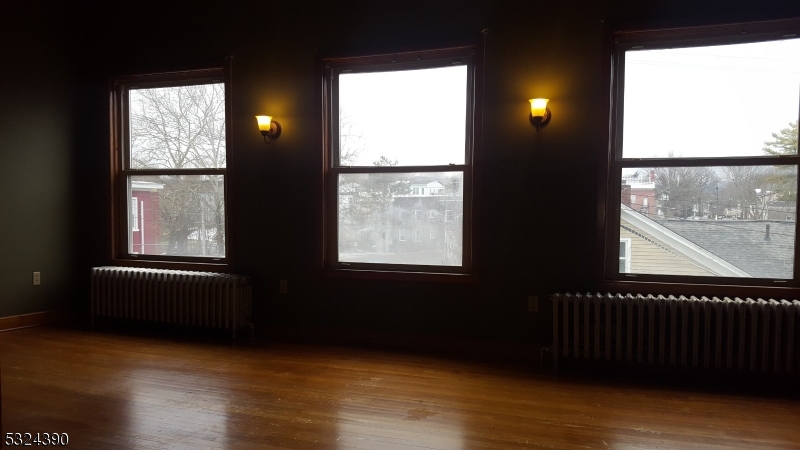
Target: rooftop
<point>743,243</point>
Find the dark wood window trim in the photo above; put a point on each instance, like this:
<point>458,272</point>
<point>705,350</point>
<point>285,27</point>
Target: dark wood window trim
<point>610,170</point>
<point>119,170</point>
<point>329,67</point>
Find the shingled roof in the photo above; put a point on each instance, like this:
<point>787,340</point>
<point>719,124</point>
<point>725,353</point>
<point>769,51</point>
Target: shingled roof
<point>742,243</point>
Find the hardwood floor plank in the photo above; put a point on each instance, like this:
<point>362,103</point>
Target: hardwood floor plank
<point>119,391</point>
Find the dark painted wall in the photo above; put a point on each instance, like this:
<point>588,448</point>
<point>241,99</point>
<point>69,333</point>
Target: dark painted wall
<point>38,124</point>
<point>531,242</point>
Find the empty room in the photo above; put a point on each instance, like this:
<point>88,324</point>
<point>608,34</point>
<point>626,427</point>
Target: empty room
<point>399,225</point>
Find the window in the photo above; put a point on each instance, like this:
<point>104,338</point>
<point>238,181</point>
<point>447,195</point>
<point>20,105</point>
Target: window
<point>373,177</point>
<point>448,215</point>
<point>170,148</point>
<point>417,235</point>
<point>624,255</point>
<point>718,187</point>
<point>134,214</point>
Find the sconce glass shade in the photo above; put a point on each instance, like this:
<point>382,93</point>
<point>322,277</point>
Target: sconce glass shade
<point>540,113</point>
<point>539,106</point>
<point>264,123</point>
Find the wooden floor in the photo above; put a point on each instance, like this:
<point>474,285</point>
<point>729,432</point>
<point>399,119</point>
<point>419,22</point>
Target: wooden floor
<point>121,391</point>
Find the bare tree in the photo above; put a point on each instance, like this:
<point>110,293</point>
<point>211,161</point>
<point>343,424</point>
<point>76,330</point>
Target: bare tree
<point>351,143</point>
<point>351,209</point>
<point>680,189</point>
<point>181,128</point>
<point>741,185</point>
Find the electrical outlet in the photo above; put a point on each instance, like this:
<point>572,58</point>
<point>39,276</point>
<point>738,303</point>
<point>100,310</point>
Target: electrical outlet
<point>284,287</point>
<point>37,278</point>
<point>533,303</point>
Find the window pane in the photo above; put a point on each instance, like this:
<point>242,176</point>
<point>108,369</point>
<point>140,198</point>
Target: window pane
<point>377,218</point>
<point>733,221</point>
<point>411,117</point>
<point>178,215</point>
<point>178,127</point>
<point>726,100</point>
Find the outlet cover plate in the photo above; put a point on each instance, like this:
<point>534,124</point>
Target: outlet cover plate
<point>533,303</point>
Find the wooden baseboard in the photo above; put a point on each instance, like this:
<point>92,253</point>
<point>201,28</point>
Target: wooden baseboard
<point>32,320</point>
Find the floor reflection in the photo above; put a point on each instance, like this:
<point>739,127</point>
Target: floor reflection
<point>375,414</point>
<point>168,409</point>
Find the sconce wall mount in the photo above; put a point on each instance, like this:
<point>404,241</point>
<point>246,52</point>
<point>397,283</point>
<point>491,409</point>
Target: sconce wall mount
<point>270,129</point>
<point>540,113</point>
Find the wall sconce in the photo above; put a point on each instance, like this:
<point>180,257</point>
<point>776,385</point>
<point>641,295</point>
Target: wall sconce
<point>540,113</point>
<point>269,128</point>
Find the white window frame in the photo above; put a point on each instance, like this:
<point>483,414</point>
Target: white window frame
<point>627,257</point>
<point>135,213</point>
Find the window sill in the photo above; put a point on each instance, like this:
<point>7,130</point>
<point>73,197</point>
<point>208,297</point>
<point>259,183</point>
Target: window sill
<point>458,278</point>
<point>172,265</point>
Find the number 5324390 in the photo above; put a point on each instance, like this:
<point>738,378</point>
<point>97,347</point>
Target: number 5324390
<point>36,439</point>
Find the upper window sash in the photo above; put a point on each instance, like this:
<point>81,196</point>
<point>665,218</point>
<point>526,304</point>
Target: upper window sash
<point>412,129</point>
<point>123,87</point>
<point>709,99</point>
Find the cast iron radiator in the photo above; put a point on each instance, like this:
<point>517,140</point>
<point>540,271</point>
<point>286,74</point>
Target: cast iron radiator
<point>206,299</point>
<point>725,333</point>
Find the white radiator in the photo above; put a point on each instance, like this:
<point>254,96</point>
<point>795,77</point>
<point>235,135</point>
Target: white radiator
<point>698,331</point>
<point>206,299</point>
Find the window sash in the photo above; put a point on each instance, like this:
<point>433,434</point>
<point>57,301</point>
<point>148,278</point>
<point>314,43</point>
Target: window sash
<point>391,63</point>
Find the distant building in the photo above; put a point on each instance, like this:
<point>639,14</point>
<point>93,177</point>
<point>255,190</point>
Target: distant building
<point>424,226</point>
<point>780,210</point>
<point>145,220</point>
<point>706,247</point>
<point>638,193</point>
<point>762,248</point>
<point>646,246</point>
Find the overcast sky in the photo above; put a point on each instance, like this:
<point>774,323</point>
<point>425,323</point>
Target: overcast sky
<point>705,101</point>
<point>709,101</point>
<point>416,117</point>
